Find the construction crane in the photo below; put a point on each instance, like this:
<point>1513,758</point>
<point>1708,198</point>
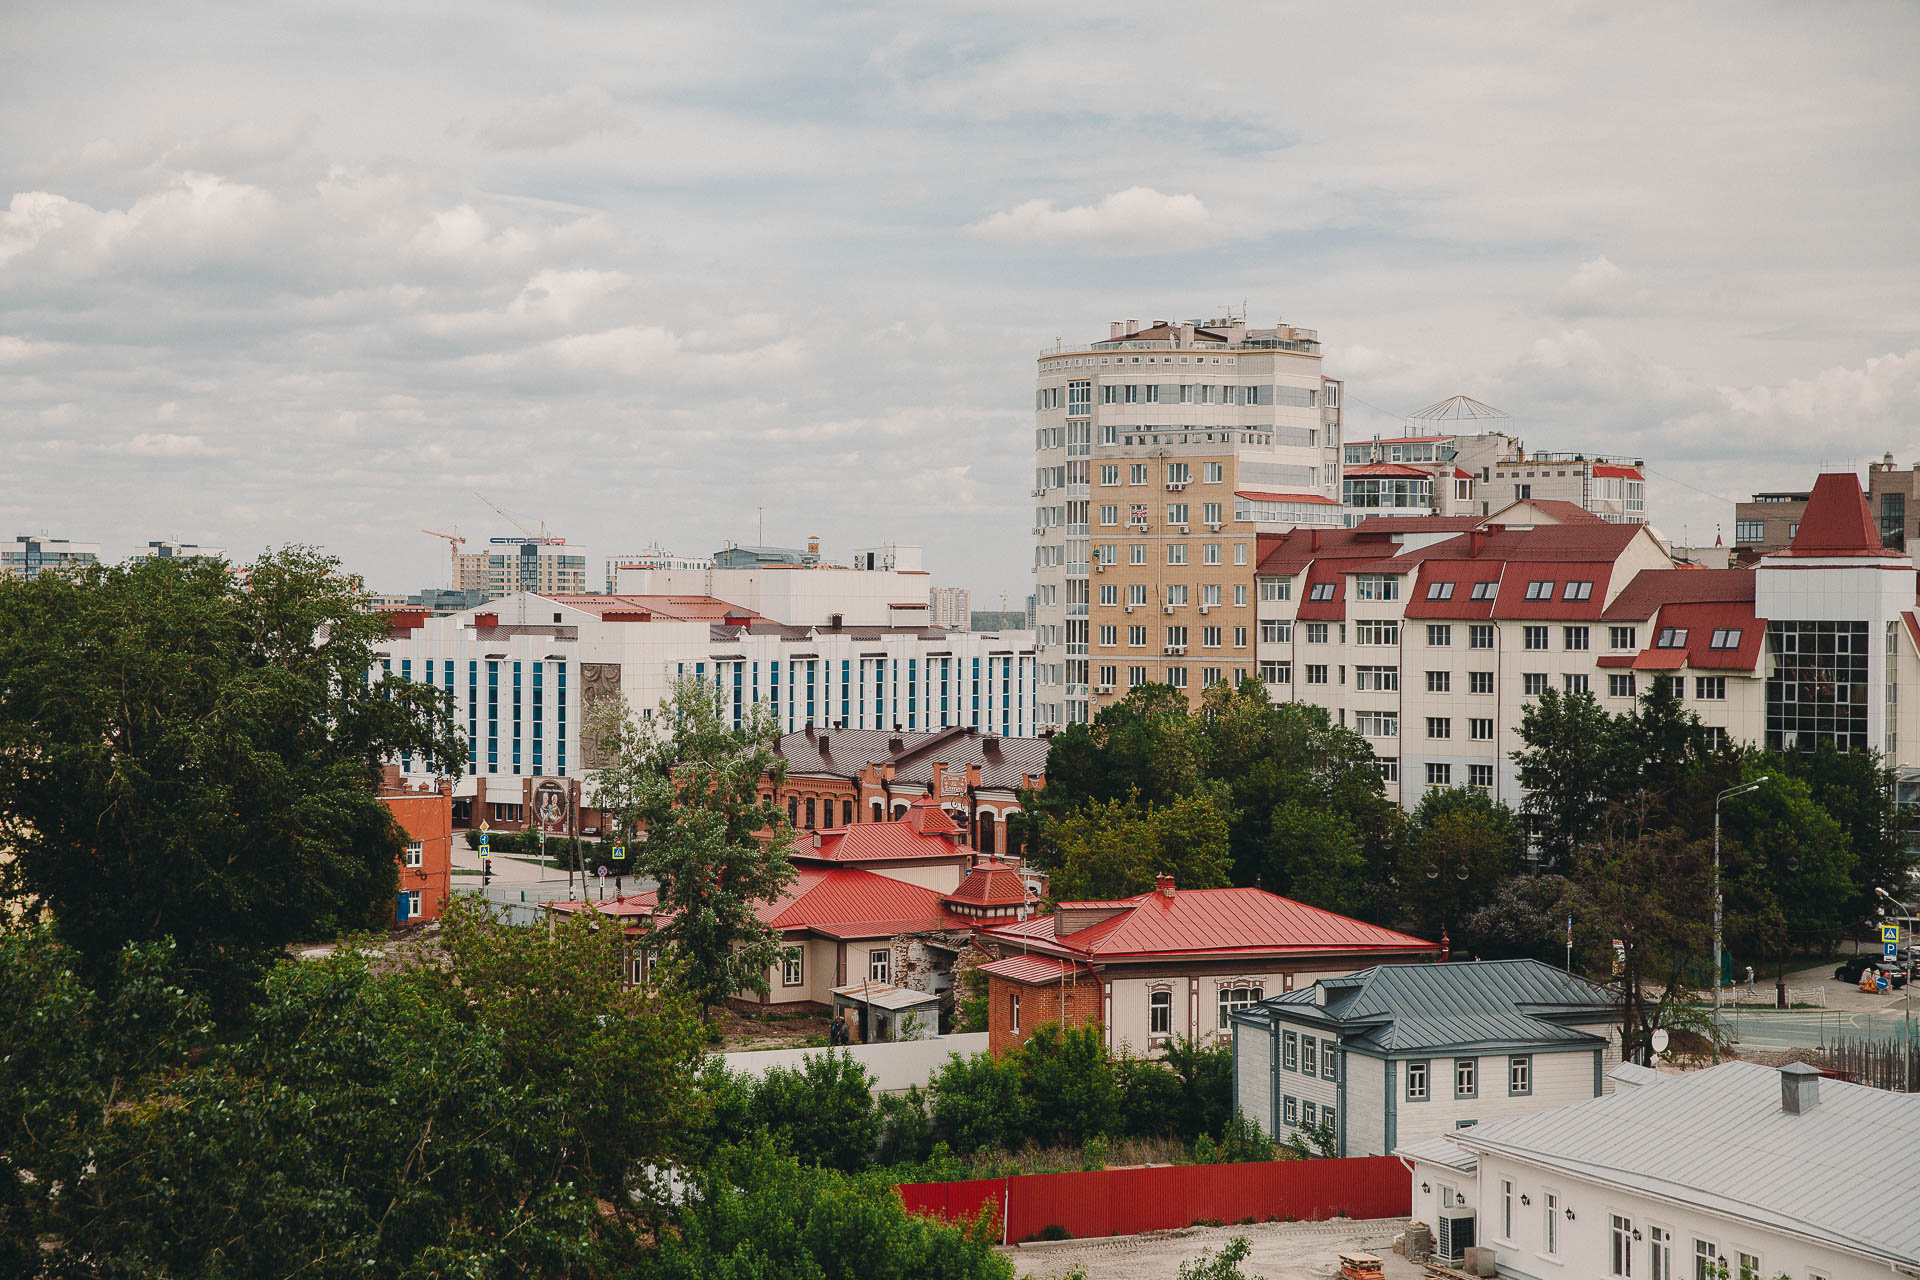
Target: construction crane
<point>510,520</point>
<point>454,543</point>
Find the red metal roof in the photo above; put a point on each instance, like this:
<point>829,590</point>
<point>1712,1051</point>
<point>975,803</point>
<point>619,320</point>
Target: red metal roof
<point>1464,575</point>
<point>1417,524</point>
<point>1035,970</point>
<point>1607,471</point>
<point>901,839</point>
<point>846,902</point>
<point>1652,588</point>
<point>1560,509</point>
<point>1294,550</point>
<point>1321,573</point>
<point>1264,495</point>
<point>664,608</point>
<point>1520,576</point>
<point>1201,921</point>
<point>991,884</point>
<point>1836,521</point>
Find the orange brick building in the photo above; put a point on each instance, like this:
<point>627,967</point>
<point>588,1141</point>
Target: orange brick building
<point>425,813</point>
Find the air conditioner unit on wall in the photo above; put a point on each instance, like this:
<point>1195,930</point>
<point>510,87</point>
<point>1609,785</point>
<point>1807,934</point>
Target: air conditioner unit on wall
<point>1453,1234</point>
<point>1166,608</point>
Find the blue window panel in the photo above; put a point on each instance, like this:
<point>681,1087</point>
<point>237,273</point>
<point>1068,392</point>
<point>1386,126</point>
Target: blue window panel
<point>516,717</point>
<point>846,714</point>
<point>473,717</point>
<point>539,718</point>
<point>560,714</point>
<point>493,717</point>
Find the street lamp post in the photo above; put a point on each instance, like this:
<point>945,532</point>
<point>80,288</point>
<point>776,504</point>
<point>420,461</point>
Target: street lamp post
<point>1906,1050</point>
<point>1730,791</point>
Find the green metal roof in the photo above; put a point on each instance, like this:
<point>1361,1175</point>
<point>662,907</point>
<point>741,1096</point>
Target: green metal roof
<point>1436,1008</point>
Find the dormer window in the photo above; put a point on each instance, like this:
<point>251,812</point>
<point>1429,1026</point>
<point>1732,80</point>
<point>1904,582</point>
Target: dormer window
<point>1321,591</point>
<point>1539,591</point>
<point>1578,591</point>
<point>1485,590</point>
<point>1439,591</point>
<point>1671,638</point>
<point>1725,638</point>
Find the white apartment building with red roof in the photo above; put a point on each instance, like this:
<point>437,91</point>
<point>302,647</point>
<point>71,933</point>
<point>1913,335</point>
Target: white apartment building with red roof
<point>1429,639</point>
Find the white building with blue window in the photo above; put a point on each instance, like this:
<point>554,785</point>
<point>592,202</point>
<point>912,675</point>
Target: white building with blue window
<point>520,669</point>
<point>1405,1052</point>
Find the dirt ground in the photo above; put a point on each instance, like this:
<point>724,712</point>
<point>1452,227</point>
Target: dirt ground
<point>738,1032</point>
<point>1281,1251</point>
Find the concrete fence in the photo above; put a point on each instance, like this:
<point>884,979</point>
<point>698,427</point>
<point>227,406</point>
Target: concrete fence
<point>893,1066</point>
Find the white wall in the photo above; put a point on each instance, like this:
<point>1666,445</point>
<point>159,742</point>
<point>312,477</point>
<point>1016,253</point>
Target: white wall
<point>1558,1079</point>
<point>894,1066</point>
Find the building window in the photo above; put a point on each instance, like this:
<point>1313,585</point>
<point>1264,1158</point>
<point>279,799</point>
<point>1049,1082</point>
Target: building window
<point>415,853</point>
<point>1389,768</point>
<point>1706,1260</point>
<point>1534,637</point>
<point>1416,1082</point>
<point>1480,728</point>
<point>1550,1231</point>
<point>1328,1070</point>
<point>1479,682</point>
<point>1671,638</point>
<point>1710,688</point>
<point>1376,633</point>
<point>1620,1237</point>
<point>1578,591</point>
<point>1321,591</point>
<point>1316,673</point>
<point>1484,590</point>
<point>1439,591</point>
<point>810,814</point>
<point>1160,1013</point>
<point>1377,724</point>
<point>1439,681</point>
<point>1309,1113</point>
<point>1519,1076</point>
<point>1316,633</point>
<point>792,967</point>
<point>1725,638</point>
<point>1277,672</point>
<point>1506,1208</point>
<point>1480,636</point>
<point>1749,1265</point>
<point>1232,998</point>
<point>1439,775</point>
<point>1481,776</point>
<point>1576,683</point>
<point>1466,1077</point>
<point>1620,686</point>
<point>1276,588</point>
<point>1290,1050</point>
<point>1013,1011</point>
<point>1660,1254</point>
<point>879,964</point>
<point>1439,727</point>
<point>1539,591</point>
<point>1623,638</point>
<point>1309,1055</point>
<point>1292,1112</point>
<point>1533,683</point>
<point>1379,679</point>
<point>1439,634</point>
<point>1575,637</point>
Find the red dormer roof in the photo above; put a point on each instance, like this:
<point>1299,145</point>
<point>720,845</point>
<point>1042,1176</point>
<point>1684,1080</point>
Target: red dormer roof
<point>1730,621</point>
<point>991,884</point>
<point>1576,592</point>
<point>1190,922</point>
<point>920,836</point>
<point>1652,588</point>
<point>926,816</point>
<point>1607,471</point>
<point>1837,521</point>
<point>1459,603</point>
<point>1323,573</point>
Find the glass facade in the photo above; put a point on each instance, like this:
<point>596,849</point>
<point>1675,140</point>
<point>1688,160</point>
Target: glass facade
<point>1818,688</point>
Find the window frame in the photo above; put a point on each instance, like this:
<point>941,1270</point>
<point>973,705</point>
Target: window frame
<point>1523,1063</point>
<point>1160,1003</point>
<point>880,964</point>
<point>793,967</point>
<point>1425,1067</point>
<point>1470,1069</point>
<point>416,854</point>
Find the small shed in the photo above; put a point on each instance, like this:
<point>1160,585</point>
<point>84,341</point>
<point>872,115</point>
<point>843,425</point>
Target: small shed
<point>879,1012</point>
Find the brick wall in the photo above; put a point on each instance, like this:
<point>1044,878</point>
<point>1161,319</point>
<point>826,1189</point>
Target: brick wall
<point>426,815</point>
<point>1081,1002</point>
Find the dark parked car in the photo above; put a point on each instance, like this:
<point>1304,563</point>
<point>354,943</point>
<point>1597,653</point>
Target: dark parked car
<point>1851,969</point>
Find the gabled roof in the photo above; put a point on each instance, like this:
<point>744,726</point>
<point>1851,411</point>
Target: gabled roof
<point>1701,622</point>
<point>1556,509</point>
<point>991,884</point>
<point>1204,921</point>
<point>1652,588</point>
<point>1400,1008</point>
<point>1836,521</point>
<point>1464,575</point>
<point>1607,471</point>
<point>843,753</point>
<point>844,902</point>
<point>1321,573</point>
<point>1035,970</point>
<point>1719,1140</point>
<point>900,840</point>
<point>1290,552</point>
<point>1513,602</point>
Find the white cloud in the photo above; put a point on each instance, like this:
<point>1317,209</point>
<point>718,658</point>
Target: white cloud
<point>1138,220</point>
<point>552,122</point>
<point>166,444</point>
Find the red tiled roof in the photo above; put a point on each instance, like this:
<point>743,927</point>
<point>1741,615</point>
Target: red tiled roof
<point>900,839</point>
<point>1265,495</point>
<point>1463,574</point>
<point>1200,921</point>
<point>1652,588</point>
<point>1700,622</point>
<point>1322,572</point>
<point>1512,601</point>
<point>1391,469</point>
<point>1417,524</point>
<point>1836,522</point>
<point>1608,471</point>
<point>1035,970</point>
<point>991,884</point>
<point>1293,551</point>
<point>1560,509</point>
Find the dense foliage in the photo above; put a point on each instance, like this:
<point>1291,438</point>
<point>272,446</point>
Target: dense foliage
<point>188,752</point>
<point>686,789</point>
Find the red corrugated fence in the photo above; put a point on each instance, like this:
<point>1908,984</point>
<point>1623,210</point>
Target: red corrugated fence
<point>1120,1202</point>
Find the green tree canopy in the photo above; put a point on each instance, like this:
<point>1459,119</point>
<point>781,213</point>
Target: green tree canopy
<point>1114,848</point>
<point>685,787</point>
<point>1573,766</point>
<point>191,752</point>
<point>1459,845</point>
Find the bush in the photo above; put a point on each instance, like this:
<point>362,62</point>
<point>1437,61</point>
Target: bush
<point>822,1111</point>
<point>906,1127</point>
<point>1241,1142</point>
<point>1224,1265</point>
<point>1152,1098</point>
<point>1066,1080</point>
<point>1206,1085</point>
<point>977,1103</point>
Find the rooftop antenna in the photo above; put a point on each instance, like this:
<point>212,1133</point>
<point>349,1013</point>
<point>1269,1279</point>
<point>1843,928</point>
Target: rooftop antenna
<point>763,525</point>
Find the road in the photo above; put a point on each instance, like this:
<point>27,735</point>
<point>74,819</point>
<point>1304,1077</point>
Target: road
<point>1811,1028</point>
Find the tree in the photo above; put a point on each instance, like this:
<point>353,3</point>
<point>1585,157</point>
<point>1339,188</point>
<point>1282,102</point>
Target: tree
<point>1114,848</point>
<point>190,752</point>
<point>1572,768</point>
<point>1312,854</point>
<point>1459,845</point>
<point>824,1110</point>
<point>686,791</point>
<point>1145,746</point>
<point>1066,1081</point>
<point>1526,917</point>
<point>1857,790</point>
<point>1787,869</point>
<point>977,1103</point>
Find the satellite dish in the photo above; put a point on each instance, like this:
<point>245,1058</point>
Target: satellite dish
<point>1660,1040</point>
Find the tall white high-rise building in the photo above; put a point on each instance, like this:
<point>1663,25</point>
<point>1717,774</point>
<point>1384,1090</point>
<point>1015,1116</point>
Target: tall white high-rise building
<point>1159,453</point>
<point>950,607</point>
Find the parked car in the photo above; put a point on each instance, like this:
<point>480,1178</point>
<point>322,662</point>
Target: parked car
<point>1851,969</point>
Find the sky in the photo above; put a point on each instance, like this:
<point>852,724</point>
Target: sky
<point>656,273</point>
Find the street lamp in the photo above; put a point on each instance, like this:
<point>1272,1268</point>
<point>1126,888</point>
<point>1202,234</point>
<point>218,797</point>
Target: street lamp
<point>1730,791</point>
<point>1906,1054</point>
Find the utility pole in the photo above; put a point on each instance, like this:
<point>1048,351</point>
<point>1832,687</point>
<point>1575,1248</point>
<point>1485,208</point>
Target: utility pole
<point>1730,791</point>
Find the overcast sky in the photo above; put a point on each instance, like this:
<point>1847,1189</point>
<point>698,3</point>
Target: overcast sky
<point>640,270</point>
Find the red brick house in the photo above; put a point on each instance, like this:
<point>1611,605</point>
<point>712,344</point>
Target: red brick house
<point>425,814</point>
<point>1170,962</point>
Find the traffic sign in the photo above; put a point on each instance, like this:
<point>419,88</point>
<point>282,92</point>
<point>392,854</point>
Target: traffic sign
<point>1891,950</point>
<point>485,827</point>
<point>619,853</point>
<point>1889,933</point>
<point>601,872</point>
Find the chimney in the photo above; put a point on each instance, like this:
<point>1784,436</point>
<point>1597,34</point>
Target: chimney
<point>1163,885</point>
<point>823,743</point>
<point>813,545</point>
<point>1476,542</point>
<point>1116,329</point>
<point>1133,326</point>
<point>1799,1088</point>
<point>809,731</point>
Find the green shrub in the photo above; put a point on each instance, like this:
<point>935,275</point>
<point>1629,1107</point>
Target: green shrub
<point>1066,1080</point>
<point>977,1103</point>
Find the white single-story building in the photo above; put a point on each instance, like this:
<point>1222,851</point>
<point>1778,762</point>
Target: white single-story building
<point>1769,1172</point>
